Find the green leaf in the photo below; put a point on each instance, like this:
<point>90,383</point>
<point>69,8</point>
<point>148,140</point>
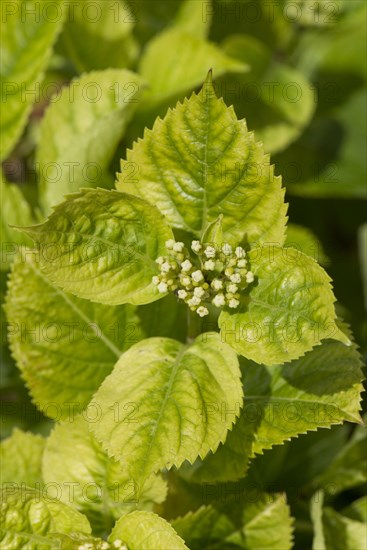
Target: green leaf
<point>106,23</point>
<point>266,524</point>
<point>331,51</point>
<point>342,533</point>
<point>96,485</point>
<point>172,70</point>
<point>29,520</point>
<point>303,239</point>
<point>284,401</point>
<point>194,17</point>
<point>102,245</point>
<point>357,510</point>
<point>166,318</point>
<point>200,162</point>
<point>64,346</point>
<point>277,100</point>
<point>26,48</point>
<point>213,234</point>
<point>345,175</point>
<point>15,211</point>
<point>316,509</point>
<point>21,458</point>
<point>152,17</point>
<point>80,132</point>
<point>348,468</point>
<point>173,403</point>
<point>289,310</point>
<point>206,527</point>
<point>146,531</point>
<point>335,531</point>
<point>263,524</point>
<point>75,541</point>
<point>362,246</point>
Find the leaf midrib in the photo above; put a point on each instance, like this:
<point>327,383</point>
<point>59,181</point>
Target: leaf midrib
<point>175,368</point>
<point>110,345</point>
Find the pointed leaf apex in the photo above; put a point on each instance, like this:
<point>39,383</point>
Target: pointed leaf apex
<point>209,77</point>
<point>342,337</point>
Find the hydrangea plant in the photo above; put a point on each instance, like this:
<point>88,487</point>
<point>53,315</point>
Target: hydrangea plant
<point>195,231</point>
<point>178,338</point>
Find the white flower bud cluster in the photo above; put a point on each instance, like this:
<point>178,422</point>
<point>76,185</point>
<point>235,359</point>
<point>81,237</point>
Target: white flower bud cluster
<point>213,276</point>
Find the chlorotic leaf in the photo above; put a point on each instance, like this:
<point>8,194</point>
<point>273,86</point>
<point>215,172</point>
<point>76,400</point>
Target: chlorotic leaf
<point>75,541</point>
<point>102,245</point>
<point>289,310</point>
<point>21,458</point>
<point>303,239</point>
<point>167,77</point>
<point>213,234</point>
<point>146,531</point>
<point>15,211</point>
<point>26,45</point>
<point>102,488</point>
<point>80,132</point>
<point>200,162</point>
<point>194,17</point>
<point>64,346</point>
<point>105,22</point>
<point>165,403</point>
<point>284,401</point>
<point>29,520</point>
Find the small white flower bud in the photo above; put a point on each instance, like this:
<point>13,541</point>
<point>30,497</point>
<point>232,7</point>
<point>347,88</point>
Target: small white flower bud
<point>232,288</point>
<point>202,311</point>
<point>219,300</point>
<point>210,252</point>
<point>165,267</point>
<point>197,276</point>
<point>235,278</point>
<point>217,284</point>
<point>250,277</point>
<point>160,260</point>
<point>209,265</point>
<point>199,292</point>
<point>178,247</point>
<point>242,263</point>
<point>170,244</point>
<point>186,265</point>
<point>194,301</point>
<point>227,249</point>
<point>240,253</point>
<point>155,280</point>
<point>196,246</point>
<point>117,543</point>
<point>162,287</point>
<point>105,545</point>
<point>233,303</point>
<point>182,294</point>
<point>186,281</point>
